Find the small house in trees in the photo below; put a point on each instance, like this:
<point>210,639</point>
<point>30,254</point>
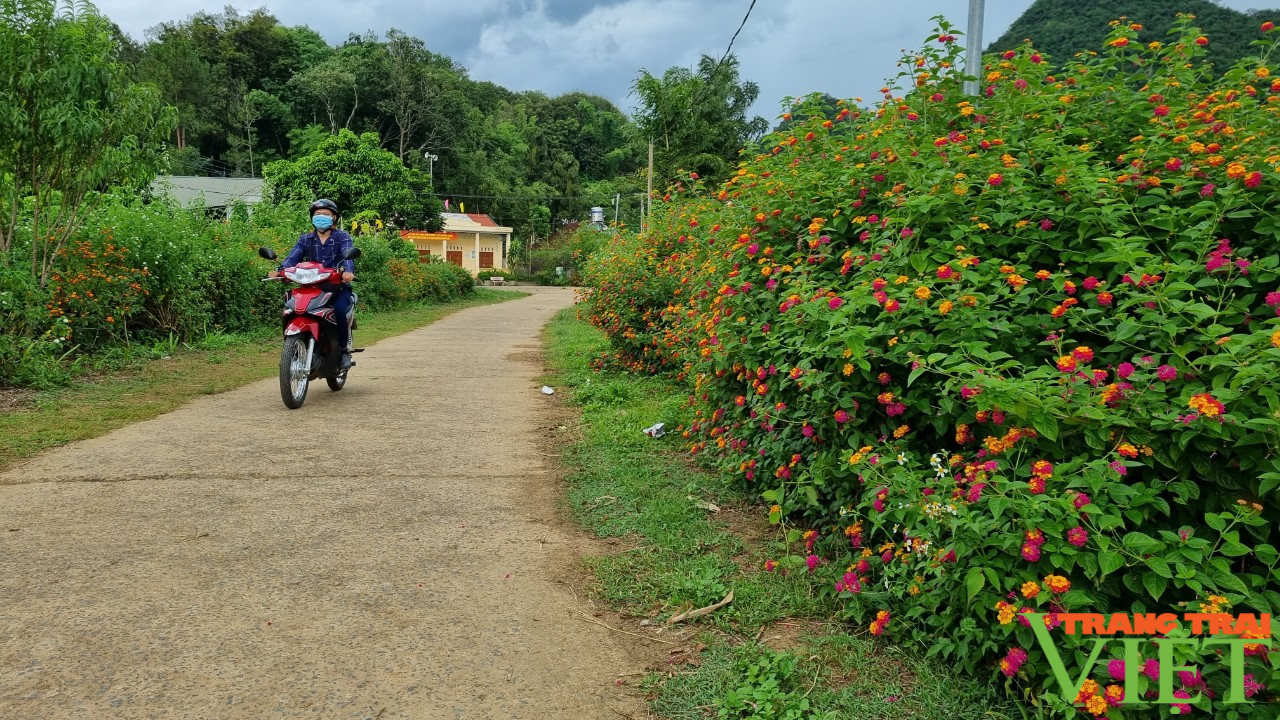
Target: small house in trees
<point>215,194</point>
<point>469,240</point>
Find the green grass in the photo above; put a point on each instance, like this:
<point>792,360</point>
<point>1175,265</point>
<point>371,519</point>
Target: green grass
<point>646,491</point>
<point>142,390</point>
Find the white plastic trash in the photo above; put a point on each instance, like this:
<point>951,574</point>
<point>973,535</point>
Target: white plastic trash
<point>546,390</point>
<point>655,431</point>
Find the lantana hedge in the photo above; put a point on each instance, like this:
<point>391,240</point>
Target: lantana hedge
<point>995,355</point>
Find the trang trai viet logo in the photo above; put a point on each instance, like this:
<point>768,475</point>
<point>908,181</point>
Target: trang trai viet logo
<point>1230,633</point>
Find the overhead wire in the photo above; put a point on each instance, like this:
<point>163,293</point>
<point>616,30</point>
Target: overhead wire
<point>711,78</point>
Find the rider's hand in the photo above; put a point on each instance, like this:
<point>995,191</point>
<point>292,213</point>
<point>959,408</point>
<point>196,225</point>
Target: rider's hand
<point>273,273</point>
<point>348,277</point>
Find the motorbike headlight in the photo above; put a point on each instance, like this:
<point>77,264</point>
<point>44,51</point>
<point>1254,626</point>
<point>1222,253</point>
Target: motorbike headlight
<point>305,276</point>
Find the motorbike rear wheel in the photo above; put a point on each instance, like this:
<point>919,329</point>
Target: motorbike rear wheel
<point>337,382</point>
<point>294,373</point>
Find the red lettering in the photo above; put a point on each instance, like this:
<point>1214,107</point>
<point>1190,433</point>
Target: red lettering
<point>1145,624</point>
<point>1093,624</point>
<point>1119,623</point>
<point>1246,623</point>
<point>1197,621</point>
<point>1069,621</point>
<point>1219,623</point>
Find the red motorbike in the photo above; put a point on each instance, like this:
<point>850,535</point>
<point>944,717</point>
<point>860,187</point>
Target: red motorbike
<point>311,347</point>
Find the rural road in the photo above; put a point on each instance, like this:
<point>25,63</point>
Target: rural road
<point>389,551</point>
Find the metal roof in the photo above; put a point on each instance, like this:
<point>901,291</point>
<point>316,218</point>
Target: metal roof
<point>471,222</point>
<point>216,191</point>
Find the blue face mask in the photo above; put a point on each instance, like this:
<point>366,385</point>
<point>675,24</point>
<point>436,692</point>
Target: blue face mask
<point>322,222</point>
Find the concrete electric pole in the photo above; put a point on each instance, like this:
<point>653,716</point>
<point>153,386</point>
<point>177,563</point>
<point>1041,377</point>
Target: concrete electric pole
<point>973,46</point>
<point>649,194</point>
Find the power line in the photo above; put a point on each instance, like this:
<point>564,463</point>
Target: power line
<point>735,35</point>
<point>525,197</point>
<point>712,77</point>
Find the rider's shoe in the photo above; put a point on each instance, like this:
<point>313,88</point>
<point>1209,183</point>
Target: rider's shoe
<point>346,361</point>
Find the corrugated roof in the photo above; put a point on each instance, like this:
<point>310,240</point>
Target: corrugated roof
<point>216,191</point>
<point>470,222</point>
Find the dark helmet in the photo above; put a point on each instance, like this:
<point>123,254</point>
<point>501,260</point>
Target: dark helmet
<point>323,204</point>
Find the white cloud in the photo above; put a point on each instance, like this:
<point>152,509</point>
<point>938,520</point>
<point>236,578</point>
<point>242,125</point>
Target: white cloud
<point>601,51</point>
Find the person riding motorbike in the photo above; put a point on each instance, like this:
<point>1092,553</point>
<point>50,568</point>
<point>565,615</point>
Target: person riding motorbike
<point>325,245</point>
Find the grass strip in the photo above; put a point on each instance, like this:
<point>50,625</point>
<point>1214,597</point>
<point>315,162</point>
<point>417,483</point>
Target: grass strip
<point>778,650</point>
<point>95,406</point>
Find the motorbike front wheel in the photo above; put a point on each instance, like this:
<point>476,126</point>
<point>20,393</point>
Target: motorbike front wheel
<point>294,373</point>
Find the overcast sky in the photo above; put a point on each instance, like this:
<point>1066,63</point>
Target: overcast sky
<point>846,48</point>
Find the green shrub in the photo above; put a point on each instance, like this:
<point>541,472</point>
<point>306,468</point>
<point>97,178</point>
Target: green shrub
<point>446,281</point>
<point>138,274</point>
<point>992,356</point>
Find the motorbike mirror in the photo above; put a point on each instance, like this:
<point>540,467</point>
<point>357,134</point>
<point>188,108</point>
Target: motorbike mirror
<point>267,253</point>
<point>351,253</point>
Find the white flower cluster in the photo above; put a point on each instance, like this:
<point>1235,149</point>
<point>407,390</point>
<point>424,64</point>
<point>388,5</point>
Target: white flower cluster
<point>936,509</point>
<point>935,462</point>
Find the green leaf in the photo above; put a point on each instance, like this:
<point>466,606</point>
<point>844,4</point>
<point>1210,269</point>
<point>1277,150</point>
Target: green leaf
<point>1126,330</point>
<point>1266,554</point>
<point>1233,549</point>
<point>1154,584</point>
<point>1141,543</point>
<point>1231,582</point>
<point>974,582</point>
<point>1160,567</point>
<point>915,374</point>
<point>1109,522</point>
<point>1110,561</point>
<point>1200,311</point>
<point>1133,582</point>
<point>1215,521</point>
<point>1046,425</point>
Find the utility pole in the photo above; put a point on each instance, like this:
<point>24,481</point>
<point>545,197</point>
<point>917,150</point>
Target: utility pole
<point>649,194</point>
<point>617,200</point>
<point>973,54</point>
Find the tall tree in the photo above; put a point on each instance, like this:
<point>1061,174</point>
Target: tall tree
<point>409,80</point>
<point>333,85</point>
<point>72,122</point>
<point>355,172</point>
<point>697,119</point>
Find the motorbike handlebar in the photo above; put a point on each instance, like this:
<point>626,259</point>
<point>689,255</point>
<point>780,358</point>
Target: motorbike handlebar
<point>282,277</point>
<point>328,287</point>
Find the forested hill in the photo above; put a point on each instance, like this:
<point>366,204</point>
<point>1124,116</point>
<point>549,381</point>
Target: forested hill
<point>249,90</point>
<point>1061,28</point>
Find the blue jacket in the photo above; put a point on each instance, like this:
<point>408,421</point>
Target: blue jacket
<point>328,254</point>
